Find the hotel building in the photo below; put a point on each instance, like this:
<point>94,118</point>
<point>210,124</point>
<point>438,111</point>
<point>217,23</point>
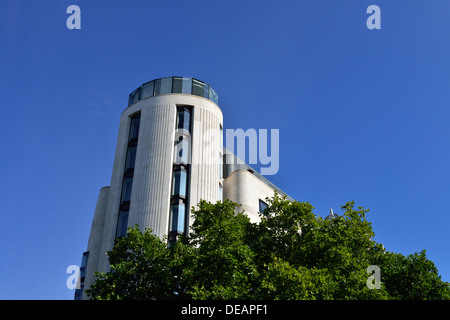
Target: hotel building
<point>169,155</point>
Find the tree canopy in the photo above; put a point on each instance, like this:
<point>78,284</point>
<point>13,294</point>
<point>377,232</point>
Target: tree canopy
<point>291,254</point>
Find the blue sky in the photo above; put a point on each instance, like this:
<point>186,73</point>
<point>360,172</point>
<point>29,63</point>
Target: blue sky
<point>363,114</point>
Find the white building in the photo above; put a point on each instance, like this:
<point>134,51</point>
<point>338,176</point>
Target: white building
<point>169,155</point>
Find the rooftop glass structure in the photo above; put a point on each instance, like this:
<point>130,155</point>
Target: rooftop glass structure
<point>173,85</point>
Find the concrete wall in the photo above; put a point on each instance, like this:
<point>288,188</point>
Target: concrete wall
<point>152,178</point>
<point>150,196</point>
<point>96,236</point>
<point>206,155</point>
<point>243,187</point>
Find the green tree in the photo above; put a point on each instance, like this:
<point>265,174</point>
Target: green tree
<point>290,254</point>
<point>222,265</point>
<point>140,268</point>
<point>412,277</point>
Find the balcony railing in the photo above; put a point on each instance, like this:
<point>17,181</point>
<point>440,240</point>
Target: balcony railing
<point>173,85</point>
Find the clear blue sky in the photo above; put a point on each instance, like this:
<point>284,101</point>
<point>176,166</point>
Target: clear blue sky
<point>363,115</point>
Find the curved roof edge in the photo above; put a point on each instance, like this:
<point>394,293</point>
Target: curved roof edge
<point>173,85</point>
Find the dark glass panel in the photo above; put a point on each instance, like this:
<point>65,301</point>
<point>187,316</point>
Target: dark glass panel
<point>177,218</point>
<point>134,128</point>
<point>163,86</point>
<point>184,119</point>
<point>147,89</point>
<point>131,157</point>
<point>200,88</point>
<point>134,96</point>
<point>126,188</point>
<point>179,182</point>
<point>262,206</point>
<point>122,224</point>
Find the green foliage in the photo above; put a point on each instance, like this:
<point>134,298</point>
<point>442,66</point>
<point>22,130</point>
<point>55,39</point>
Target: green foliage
<point>290,254</point>
<point>222,265</point>
<point>412,277</point>
<point>140,269</point>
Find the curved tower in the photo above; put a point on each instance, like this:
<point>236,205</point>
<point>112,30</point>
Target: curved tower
<point>168,157</point>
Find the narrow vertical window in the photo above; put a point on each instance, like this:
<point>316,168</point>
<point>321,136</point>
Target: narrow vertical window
<point>220,166</point>
<point>179,182</point>
<point>126,189</point>
<point>84,262</point>
<point>134,128</point>
<point>179,215</point>
<point>131,157</point>
<point>221,153</point>
<point>182,150</point>
<point>184,119</point>
<point>122,224</point>
<point>127,183</point>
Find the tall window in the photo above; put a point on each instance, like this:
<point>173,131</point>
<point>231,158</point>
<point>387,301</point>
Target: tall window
<point>221,154</point>
<point>127,183</point>
<point>84,262</point>
<point>179,214</point>
<point>184,118</point>
<point>182,150</point>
